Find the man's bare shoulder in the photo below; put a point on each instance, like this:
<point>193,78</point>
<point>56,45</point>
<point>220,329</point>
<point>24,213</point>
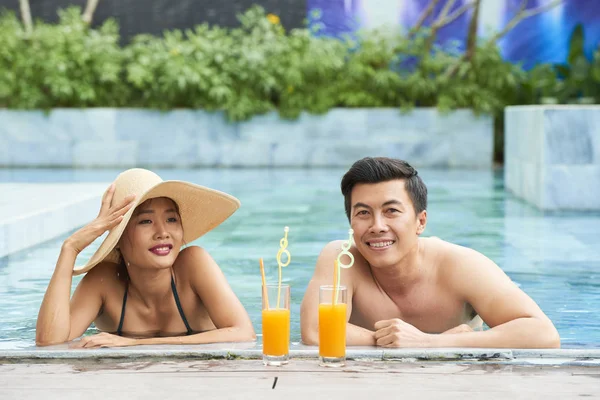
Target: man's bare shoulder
<point>453,260</point>
<point>450,252</point>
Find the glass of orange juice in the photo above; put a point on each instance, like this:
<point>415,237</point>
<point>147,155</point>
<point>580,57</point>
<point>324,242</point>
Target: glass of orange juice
<point>276,325</point>
<point>332,326</point>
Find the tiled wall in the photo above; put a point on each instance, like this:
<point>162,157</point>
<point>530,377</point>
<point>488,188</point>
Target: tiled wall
<point>187,138</point>
<point>552,156</point>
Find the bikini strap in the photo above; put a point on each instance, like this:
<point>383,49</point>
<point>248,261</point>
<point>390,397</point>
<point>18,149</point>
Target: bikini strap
<point>176,296</point>
<point>120,328</point>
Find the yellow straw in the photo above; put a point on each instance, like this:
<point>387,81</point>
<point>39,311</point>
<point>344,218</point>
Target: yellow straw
<point>264,282</point>
<point>282,250</point>
<point>336,281</point>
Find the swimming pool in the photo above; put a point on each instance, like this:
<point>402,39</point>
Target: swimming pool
<point>554,257</point>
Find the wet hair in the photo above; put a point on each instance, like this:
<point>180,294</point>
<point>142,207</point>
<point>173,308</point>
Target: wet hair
<point>383,169</point>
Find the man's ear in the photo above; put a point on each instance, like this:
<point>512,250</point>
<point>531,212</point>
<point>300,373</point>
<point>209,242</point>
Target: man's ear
<point>422,220</point>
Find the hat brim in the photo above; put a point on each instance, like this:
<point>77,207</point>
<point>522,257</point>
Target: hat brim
<point>201,210</point>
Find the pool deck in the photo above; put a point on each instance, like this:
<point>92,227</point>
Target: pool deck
<point>32,213</point>
<point>235,371</point>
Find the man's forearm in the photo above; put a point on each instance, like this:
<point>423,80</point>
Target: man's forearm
<point>359,336</point>
<point>520,333</point>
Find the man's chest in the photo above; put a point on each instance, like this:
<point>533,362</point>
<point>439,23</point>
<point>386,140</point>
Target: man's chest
<point>426,308</point>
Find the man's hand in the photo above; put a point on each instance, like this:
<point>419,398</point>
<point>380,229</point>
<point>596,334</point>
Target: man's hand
<point>397,333</point>
<point>103,340</point>
<point>463,328</point>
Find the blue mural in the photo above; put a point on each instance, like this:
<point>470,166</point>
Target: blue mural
<point>538,39</point>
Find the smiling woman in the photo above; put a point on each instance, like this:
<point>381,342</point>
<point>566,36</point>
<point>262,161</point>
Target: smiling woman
<point>140,287</point>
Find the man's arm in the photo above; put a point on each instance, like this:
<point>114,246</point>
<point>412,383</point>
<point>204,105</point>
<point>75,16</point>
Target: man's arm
<point>515,319</point>
<point>309,311</point>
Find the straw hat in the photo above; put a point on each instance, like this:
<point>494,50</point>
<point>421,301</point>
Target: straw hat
<point>201,209</point>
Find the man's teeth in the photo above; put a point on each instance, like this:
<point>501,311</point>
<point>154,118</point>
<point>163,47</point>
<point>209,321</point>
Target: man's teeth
<point>382,244</point>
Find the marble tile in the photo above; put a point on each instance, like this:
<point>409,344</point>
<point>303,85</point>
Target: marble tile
<point>242,153</point>
<point>270,127</point>
<point>209,153</point>
<point>160,128</point>
<point>219,128</point>
<point>82,124</point>
<point>523,133</point>
<point>512,175</point>
<point>567,136</point>
<point>338,123</point>
<point>471,147</point>
<point>392,124</point>
<point>4,154</point>
<point>572,187</point>
<point>40,154</point>
<point>428,152</point>
<point>531,183</point>
<point>292,153</point>
<point>122,153</point>
<point>186,138</point>
<point>460,120</point>
<point>23,125</point>
<point>334,154</point>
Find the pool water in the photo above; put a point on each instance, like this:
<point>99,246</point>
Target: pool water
<point>553,257</point>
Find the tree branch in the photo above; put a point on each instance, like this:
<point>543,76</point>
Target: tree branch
<point>457,13</point>
<point>524,14</point>
<point>423,17</point>
<point>90,8</point>
<point>439,22</point>
<point>519,16</point>
<point>26,16</point>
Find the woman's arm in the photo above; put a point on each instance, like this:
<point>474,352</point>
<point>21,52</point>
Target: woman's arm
<point>224,308</point>
<point>59,319</point>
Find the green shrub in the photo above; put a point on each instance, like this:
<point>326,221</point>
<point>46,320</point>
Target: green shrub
<point>259,67</point>
<point>62,65</point>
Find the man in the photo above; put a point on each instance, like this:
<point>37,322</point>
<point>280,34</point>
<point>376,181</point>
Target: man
<point>404,290</point>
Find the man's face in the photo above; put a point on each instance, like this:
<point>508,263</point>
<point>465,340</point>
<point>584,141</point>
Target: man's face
<point>385,225</point>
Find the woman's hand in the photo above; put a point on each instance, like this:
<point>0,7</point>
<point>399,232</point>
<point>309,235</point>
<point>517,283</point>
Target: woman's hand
<point>103,340</point>
<point>108,217</point>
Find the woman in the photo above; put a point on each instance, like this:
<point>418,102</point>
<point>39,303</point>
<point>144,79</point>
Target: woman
<point>140,288</point>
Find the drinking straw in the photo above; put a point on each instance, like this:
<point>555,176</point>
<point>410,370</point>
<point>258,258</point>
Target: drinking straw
<point>264,282</point>
<point>338,264</point>
<point>336,281</point>
<point>282,250</point>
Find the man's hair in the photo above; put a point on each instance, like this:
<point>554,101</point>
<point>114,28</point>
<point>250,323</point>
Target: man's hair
<point>383,169</point>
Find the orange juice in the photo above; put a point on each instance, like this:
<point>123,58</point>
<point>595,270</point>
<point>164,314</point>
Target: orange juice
<point>276,331</point>
<point>332,330</point>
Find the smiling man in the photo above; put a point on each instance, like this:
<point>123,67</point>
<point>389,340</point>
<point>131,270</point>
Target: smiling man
<point>405,290</point>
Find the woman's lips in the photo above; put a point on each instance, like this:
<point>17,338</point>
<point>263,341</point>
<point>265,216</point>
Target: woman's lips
<point>162,250</point>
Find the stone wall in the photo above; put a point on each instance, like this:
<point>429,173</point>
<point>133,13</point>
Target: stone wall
<point>188,138</point>
<point>552,156</point>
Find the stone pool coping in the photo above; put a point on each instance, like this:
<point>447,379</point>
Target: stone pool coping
<point>251,351</point>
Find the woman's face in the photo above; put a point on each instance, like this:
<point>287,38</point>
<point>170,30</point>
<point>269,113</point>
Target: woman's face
<point>153,236</point>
